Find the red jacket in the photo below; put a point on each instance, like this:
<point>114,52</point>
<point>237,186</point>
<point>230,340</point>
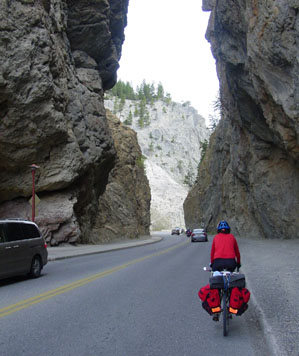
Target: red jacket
<point>225,246</point>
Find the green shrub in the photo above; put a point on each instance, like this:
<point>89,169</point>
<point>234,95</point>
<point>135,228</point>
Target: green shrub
<point>140,161</point>
<point>129,119</point>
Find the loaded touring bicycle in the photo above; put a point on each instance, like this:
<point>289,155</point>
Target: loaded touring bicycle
<point>225,296</point>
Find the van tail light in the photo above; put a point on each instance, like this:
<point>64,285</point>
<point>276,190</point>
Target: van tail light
<point>192,234</point>
<point>45,245</point>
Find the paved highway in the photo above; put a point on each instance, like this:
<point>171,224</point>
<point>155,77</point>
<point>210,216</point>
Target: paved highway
<point>135,302</point>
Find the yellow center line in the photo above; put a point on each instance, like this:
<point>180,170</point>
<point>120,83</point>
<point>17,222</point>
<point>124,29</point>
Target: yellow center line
<point>79,283</point>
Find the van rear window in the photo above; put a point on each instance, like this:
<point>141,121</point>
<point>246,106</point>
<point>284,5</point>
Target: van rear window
<point>12,231</point>
<point>1,233</point>
<point>30,231</point>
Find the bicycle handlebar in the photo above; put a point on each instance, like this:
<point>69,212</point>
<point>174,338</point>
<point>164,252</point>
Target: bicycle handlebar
<point>209,269</point>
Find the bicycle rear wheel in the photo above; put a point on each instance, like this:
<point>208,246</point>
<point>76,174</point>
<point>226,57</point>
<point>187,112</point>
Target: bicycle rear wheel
<point>225,313</point>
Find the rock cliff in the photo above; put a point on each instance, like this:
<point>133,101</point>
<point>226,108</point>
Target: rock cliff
<point>171,140</point>
<point>57,59</point>
<point>250,175</point>
<point>127,192</point>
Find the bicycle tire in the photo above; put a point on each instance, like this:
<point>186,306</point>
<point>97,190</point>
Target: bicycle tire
<point>224,313</point>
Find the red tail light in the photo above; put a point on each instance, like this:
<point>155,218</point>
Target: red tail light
<point>45,245</point>
<point>192,234</point>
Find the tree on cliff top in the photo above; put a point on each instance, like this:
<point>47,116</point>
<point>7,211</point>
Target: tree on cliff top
<point>148,92</point>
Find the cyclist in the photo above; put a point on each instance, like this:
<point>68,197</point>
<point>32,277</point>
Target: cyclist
<point>225,252</point>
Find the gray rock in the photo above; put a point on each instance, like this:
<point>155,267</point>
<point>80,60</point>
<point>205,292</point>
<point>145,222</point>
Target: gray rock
<point>83,60</point>
<point>57,58</point>
<point>250,174</point>
<point>96,28</point>
<point>207,5</point>
<point>124,208</point>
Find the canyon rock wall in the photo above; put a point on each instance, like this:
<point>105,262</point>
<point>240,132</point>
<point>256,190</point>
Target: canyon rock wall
<point>171,141</point>
<point>127,192</point>
<point>250,175</point>
<point>57,59</point>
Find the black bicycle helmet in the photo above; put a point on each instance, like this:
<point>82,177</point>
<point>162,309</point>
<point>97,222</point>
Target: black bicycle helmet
<point>223,226</point>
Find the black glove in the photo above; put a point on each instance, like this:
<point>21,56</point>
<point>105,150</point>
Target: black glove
<point>238,266</point>
<point>210,265</point>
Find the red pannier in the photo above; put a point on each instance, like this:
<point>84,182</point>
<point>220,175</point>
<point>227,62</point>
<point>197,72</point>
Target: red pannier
<point>210,299</point>
<point>239,298</point>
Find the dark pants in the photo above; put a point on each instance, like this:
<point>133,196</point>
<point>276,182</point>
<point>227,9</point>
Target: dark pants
<point>220,264</point>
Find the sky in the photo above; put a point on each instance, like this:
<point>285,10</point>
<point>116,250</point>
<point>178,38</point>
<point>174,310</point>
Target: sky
<point>165,42</point>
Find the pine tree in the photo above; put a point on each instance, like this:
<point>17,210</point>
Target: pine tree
<point>147,119</point>
<point>160,91</point>
<point>141,122</point>
<point>129,119</point>
<point>142,108</point>
<point>217,111</point>
<point>204,147</point>
<point>189,177</point>
<point>136,112</point>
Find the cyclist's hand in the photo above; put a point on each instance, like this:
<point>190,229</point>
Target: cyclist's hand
<point>238,266</point>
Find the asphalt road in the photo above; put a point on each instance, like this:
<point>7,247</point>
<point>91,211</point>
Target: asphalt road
<point>133,302</point>
<point>271,269</point>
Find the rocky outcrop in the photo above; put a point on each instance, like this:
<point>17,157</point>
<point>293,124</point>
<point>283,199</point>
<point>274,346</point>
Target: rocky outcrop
<point>127,191</point>
<point>57,58</point>
<point>171,140</point>
<point>96,28</point>
<point>250,174</point>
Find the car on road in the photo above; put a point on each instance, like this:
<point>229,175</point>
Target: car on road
<point>22,249</point>
<point>199,235</point>
<point>176,231</point>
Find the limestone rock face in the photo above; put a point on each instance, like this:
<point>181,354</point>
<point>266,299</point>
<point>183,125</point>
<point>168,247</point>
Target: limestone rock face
<point>124,208</point>
<point>250,175</point>
<point>171,140</point>
<point>97,28</point>
<point>56,59</point>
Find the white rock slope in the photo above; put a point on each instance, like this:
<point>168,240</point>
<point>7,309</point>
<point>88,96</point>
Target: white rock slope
<point>170,137</point>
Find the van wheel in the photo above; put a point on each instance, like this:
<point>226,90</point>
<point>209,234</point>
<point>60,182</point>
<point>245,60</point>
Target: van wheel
<point>36,267</point>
